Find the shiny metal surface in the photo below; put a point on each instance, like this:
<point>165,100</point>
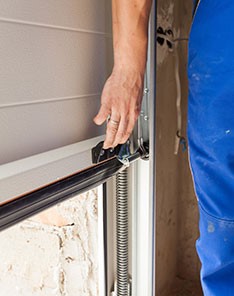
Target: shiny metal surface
<point>122,233</point>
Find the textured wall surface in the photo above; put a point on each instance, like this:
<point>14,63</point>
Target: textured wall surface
<point>177,215</point>
<point>54,253</point>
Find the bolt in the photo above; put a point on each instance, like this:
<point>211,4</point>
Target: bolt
<point>102,152</point>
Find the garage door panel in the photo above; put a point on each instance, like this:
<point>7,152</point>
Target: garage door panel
<point>40,63</point>
<point>78,14</point>
<point>55,57</point>
<point>46,126</point>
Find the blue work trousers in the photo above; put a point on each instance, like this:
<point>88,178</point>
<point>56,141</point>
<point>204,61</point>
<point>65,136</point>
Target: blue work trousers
<point>211,140</point>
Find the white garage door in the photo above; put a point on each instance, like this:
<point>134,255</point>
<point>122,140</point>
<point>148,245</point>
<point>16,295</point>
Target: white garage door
<point>55,57</point>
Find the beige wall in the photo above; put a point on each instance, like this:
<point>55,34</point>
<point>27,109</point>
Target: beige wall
<point>177,215</point>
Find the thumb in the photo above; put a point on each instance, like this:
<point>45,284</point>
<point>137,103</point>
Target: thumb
<point>102,115</point>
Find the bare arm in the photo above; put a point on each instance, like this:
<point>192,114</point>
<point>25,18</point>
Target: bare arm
<point>122,93</point>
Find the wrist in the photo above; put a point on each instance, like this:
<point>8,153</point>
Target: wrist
<point>131,55</point>
<point>130,74</point>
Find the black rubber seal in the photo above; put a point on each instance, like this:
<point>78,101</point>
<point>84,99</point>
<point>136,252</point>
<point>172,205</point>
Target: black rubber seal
<point>32,203</point>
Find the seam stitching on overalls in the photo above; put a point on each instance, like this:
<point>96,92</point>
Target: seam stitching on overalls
<point>228,221</point>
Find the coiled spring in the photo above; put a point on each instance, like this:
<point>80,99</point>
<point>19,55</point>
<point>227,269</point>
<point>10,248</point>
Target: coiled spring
<point>122,232</point>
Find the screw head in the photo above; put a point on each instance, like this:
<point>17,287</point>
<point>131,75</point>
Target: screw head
<point>102,152</point>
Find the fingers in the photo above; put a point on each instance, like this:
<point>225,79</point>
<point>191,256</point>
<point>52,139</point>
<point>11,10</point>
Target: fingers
<point>119,127</point>
<point>102,115</point>
<point>121,131</point>
<point>111,130</point>
<point>133,115</point>
<point>121,99</point>
<point>129,128</point>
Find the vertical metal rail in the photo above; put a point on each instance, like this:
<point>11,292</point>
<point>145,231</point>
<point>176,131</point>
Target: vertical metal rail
<point>122,232</point>
<point>148,253</point>
<point>152,147</point>
<point>144,192</point>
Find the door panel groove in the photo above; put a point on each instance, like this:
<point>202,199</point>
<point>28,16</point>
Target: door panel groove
<point>56,27</point>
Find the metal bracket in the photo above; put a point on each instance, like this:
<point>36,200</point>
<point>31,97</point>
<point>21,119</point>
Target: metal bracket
<point>143,125</point>
<point>99,154</point>
<point>122,152</point>
<point>143,149</point>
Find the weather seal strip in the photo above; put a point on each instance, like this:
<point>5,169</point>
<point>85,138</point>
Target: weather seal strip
<point>34,202</point>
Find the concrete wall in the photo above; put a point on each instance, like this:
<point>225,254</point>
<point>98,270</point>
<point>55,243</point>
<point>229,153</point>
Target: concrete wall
<point>177,216</point>
<point>54,253</point>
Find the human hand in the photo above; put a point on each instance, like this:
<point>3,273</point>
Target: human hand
<point>121,102</point>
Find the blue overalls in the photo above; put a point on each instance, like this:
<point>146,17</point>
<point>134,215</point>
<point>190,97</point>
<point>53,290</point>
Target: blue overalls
<point>211,140</point>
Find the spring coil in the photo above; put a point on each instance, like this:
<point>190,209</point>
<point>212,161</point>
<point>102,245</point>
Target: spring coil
<point>122,232</point>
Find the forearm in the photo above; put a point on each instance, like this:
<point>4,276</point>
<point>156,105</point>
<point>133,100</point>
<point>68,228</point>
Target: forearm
<point>130,33</point>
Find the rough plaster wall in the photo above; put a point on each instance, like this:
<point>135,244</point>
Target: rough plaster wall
<point>167,163</point>
<point>188,263</point>
<point>54,253</point>
<point>176,206</point>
